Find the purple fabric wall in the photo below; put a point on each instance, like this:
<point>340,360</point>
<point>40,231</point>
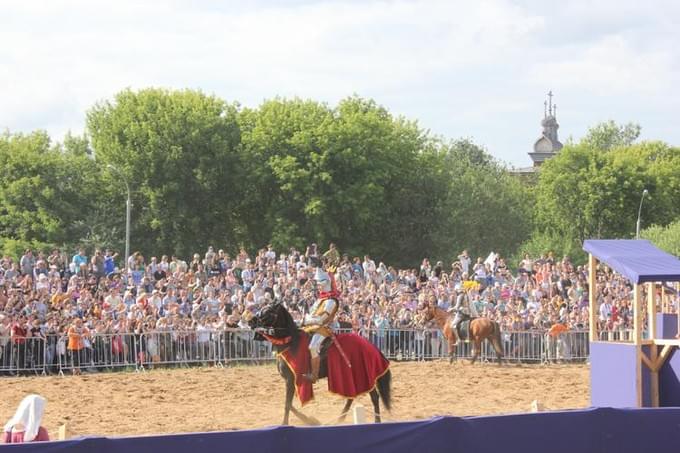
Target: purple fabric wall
<point>585,431</point>
<point>666,325</point>
<point>612,375</point>
<point>669,381</point>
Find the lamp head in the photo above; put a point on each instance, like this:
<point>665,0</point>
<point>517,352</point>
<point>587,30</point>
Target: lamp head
<point>645,192</point>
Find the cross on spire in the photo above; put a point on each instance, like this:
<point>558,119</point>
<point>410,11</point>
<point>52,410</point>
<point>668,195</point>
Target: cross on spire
<point>550,106</point>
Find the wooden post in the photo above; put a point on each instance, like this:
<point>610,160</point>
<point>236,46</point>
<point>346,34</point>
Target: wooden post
<point>637,341</point>
<point>359,415</point>
<point>592,296</point>
<point>651,310</point>
<point>637,315</point>
<point>654,384</point>
<point>664,302</point>
<point>536,406</point>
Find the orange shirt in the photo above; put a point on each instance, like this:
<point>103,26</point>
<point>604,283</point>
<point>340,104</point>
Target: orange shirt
<point>557,329</point>
<point>75,339</point>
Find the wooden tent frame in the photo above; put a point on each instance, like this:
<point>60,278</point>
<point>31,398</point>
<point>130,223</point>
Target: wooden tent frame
<point>656,357</point>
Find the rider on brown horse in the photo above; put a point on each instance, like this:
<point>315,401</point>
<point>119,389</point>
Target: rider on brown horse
<point>322,314</point>
<point>462,309</point>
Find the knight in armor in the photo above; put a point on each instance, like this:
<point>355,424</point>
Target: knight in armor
<point>322,314</point>
<point>461,309</point>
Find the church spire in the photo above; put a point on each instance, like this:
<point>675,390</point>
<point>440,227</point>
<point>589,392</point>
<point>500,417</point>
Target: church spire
<point>547,144</point>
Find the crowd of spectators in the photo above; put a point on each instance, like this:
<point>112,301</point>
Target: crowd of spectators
<point>44,295</point>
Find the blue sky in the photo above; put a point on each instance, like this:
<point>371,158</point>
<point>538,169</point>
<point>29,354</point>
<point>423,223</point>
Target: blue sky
<point>475,69</point>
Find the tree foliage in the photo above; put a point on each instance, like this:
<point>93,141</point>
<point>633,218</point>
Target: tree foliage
<point>178,152</point>
<point>45,188</point>
<point>586,193</point>
<point>204,171</point>
<point>609,135</point>
<point>667,237</point>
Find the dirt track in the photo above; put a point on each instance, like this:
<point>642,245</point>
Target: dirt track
<point>209,399</point>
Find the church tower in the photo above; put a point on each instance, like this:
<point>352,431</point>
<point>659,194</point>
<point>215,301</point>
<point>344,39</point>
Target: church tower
<point>547,144</point>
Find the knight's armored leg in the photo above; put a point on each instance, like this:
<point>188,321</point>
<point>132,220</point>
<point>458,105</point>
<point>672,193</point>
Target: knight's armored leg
<point>454,332</point>
<point>454,326</point>
<point>316,364</point>
<point>314,350</point>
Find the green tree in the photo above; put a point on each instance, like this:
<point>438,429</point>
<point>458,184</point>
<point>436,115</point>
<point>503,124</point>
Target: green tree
<point>323,174</point>
<point>45,189</point>
<point>484,208</point>
<point>179,152</point>
<point>584,193</point>
<point>667,237</point>
<point>609,135</point>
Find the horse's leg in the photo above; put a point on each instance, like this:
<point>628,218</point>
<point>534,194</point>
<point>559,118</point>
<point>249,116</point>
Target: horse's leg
<point>476,347</point>
<point>308,419</point>
<point>345,409</point>
<point>452,350</point>
<point>375,399</point>
<point>498,347</point>
<point>290,393</point>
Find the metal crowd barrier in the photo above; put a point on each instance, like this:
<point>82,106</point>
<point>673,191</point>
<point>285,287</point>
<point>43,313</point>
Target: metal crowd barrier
<point>208,347</point>
<point>164,349</point>
<point>99,352</point>
<point>22,355</point>
<point>520,346</point>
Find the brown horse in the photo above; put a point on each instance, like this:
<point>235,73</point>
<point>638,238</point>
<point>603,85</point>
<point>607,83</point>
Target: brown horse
<point>480,329</point>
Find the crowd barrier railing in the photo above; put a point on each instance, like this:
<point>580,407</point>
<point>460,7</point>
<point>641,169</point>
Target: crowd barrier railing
<point>95,352</point>
<point>208,347</point>
<point>221,347</point>
<point>21,355</point>
<point>533,346</point>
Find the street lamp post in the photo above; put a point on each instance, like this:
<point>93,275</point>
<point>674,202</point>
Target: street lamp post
<point>128,207</point>
<point>637,228</point>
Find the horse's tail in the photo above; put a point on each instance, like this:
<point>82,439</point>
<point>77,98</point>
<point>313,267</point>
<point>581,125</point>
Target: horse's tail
<point>384,386</point>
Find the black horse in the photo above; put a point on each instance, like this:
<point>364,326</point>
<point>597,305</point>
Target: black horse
<point>276,323</point>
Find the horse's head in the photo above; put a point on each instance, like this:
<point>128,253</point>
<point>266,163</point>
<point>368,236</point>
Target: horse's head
<point>272,320</point>
<point>429,312</point>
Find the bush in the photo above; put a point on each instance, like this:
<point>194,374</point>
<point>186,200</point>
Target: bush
<point>667,238</point>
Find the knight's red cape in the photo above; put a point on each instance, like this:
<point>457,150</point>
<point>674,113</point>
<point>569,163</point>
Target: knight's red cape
<point>368,365</point>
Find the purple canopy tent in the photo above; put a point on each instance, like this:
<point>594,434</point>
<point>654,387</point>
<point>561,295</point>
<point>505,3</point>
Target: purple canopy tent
<point>637,260</point>
<point>618,377</point>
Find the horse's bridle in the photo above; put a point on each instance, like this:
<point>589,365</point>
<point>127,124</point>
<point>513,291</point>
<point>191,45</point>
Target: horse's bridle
<point>269,332</point>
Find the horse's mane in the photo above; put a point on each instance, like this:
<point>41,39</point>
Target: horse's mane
<point>438,309</point>
<point>289,324</point>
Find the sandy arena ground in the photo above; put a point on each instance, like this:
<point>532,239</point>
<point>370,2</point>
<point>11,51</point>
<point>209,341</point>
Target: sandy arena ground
<point>210,399</point>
